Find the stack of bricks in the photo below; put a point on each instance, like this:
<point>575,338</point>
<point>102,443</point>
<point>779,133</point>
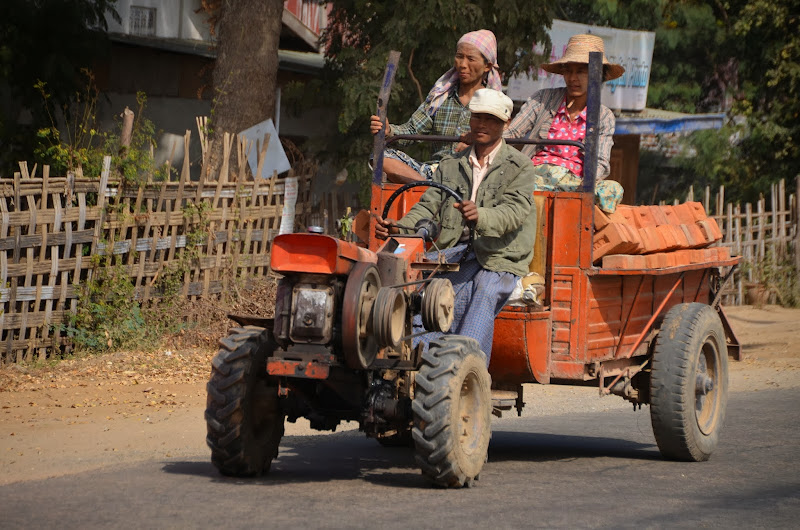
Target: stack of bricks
<point>656,237</point>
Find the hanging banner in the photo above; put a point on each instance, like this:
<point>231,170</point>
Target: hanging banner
<point>631,49</point>
<point>289,205</point>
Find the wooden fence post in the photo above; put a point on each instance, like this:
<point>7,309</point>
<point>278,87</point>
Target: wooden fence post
<point>797,225</point>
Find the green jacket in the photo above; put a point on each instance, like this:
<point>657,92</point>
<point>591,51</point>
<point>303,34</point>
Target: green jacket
<point>505,232</point>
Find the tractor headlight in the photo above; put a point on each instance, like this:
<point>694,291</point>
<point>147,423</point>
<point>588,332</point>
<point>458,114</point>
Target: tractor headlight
<point>312,313</point>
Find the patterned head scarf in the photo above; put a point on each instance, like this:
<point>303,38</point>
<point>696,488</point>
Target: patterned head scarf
<point>485,41</point>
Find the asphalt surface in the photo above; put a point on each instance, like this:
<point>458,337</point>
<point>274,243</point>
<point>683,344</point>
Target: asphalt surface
<point>585,470</point>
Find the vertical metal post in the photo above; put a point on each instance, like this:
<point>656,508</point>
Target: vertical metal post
<point>592,119</point>
<point>383,101</point>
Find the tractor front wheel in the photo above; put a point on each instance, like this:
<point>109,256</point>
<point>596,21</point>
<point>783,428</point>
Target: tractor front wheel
<point>243,413</point>
<point>452,411</point>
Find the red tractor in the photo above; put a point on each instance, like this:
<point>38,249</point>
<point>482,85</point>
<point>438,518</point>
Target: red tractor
<point>340,346</point>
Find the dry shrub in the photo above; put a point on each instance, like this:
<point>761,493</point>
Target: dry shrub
<point>207,318</point>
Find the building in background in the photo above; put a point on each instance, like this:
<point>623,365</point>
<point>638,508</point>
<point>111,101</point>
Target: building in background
<point>164,48</point>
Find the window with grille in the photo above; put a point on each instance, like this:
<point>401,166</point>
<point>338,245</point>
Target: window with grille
<point>143,20</point>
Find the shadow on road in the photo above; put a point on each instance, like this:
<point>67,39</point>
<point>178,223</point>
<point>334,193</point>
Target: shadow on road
<point>537,447</point>
<point>340,456</point>
<point>349,456</point>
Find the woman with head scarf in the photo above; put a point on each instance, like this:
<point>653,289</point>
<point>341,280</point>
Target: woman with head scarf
<point>445,110</point>
<point>560,114</point>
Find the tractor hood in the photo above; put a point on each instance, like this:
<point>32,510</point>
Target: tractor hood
<point>316,254</point>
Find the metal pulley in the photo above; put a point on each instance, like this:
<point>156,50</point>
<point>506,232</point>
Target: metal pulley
<point>389,316</point>
<point>358,340</point>
<point>438,303</point>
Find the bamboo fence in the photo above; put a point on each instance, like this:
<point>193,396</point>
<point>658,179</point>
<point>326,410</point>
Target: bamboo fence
<point>52,229</point>
<point>765,234</point>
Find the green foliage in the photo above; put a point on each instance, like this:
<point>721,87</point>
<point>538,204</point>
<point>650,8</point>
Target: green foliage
<point>361,34</point>
<point>107,315</point>
<point>171,280</point>
<point>769,30</point>
<point>345,225</point>
<point>81,147</point>
<point>77,148</point>
<point>639,15</point>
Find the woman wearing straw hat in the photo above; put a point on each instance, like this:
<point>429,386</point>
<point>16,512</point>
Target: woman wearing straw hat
<point>445,110</point>
<point>560,114</point>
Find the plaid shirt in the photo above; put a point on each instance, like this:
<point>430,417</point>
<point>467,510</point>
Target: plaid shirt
<point>446,121</point>
<point>536,116</point>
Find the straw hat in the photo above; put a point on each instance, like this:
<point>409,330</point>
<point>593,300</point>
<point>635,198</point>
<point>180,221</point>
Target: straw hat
<point>578,49</point>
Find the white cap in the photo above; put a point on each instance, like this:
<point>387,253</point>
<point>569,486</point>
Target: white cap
<point>494,102</point>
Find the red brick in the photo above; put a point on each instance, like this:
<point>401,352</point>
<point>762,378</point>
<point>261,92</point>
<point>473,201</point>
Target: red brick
<point>671,259</point>
<point>658,215</point>
<point>683,257</point>
<point>646,237</point>
<point>625,214</point>
<point>652,240</point>
<point>660,260</point>
<point>667,233</point>
<point>694,235</point>
<point>684,214</point>
<point>633,236</point>
<point>706,232</point>
<point>698,211</point>
<point>680,236</point>
<point>601,220</point>
<point>615,238</point>
<point>672,216</point>
<point>624,261</point>
<point>644,217</point>
<point>710,229</point>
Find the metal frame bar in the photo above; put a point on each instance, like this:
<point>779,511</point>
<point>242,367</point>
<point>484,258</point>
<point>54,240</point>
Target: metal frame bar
<point>656,314</point>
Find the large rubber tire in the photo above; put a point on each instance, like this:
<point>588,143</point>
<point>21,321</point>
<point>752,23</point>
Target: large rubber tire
<point>243,413</point>
<point>452,411</point>
<point>689,383</point>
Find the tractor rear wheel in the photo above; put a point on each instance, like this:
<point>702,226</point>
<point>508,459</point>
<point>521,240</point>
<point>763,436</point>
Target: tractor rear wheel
<point>243,413</point>
<point>689,383</point>
<point>452,411</point>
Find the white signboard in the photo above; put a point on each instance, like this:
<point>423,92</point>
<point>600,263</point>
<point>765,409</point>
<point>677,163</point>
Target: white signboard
<point>276,157</point>
<point>289,204</point>
<point>631,49</point>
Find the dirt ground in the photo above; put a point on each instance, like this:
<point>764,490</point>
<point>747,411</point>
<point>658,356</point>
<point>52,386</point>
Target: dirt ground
<point>87,413</point>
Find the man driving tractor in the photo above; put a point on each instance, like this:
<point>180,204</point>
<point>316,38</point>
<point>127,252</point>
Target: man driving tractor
<point>497,184</point>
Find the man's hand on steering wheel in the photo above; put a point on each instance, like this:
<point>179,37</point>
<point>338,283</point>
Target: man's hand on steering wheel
<point>385,227</point>
<point>468,209</point>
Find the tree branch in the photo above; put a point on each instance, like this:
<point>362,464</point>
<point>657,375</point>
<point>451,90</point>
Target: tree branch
<point>413,77</point>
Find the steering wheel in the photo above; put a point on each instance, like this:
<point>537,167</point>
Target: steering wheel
<point>431,228</point>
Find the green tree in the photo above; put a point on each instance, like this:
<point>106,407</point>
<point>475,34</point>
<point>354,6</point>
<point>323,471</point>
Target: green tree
<point>358,40</point>
<point>741,57</point>
<point>768,30</point>
<point>48,41</point>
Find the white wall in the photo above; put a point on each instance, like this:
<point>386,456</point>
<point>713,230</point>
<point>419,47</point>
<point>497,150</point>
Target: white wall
<point>175,19</point>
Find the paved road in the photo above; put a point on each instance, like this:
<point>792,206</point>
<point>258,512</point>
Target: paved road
<point>585,470</point>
